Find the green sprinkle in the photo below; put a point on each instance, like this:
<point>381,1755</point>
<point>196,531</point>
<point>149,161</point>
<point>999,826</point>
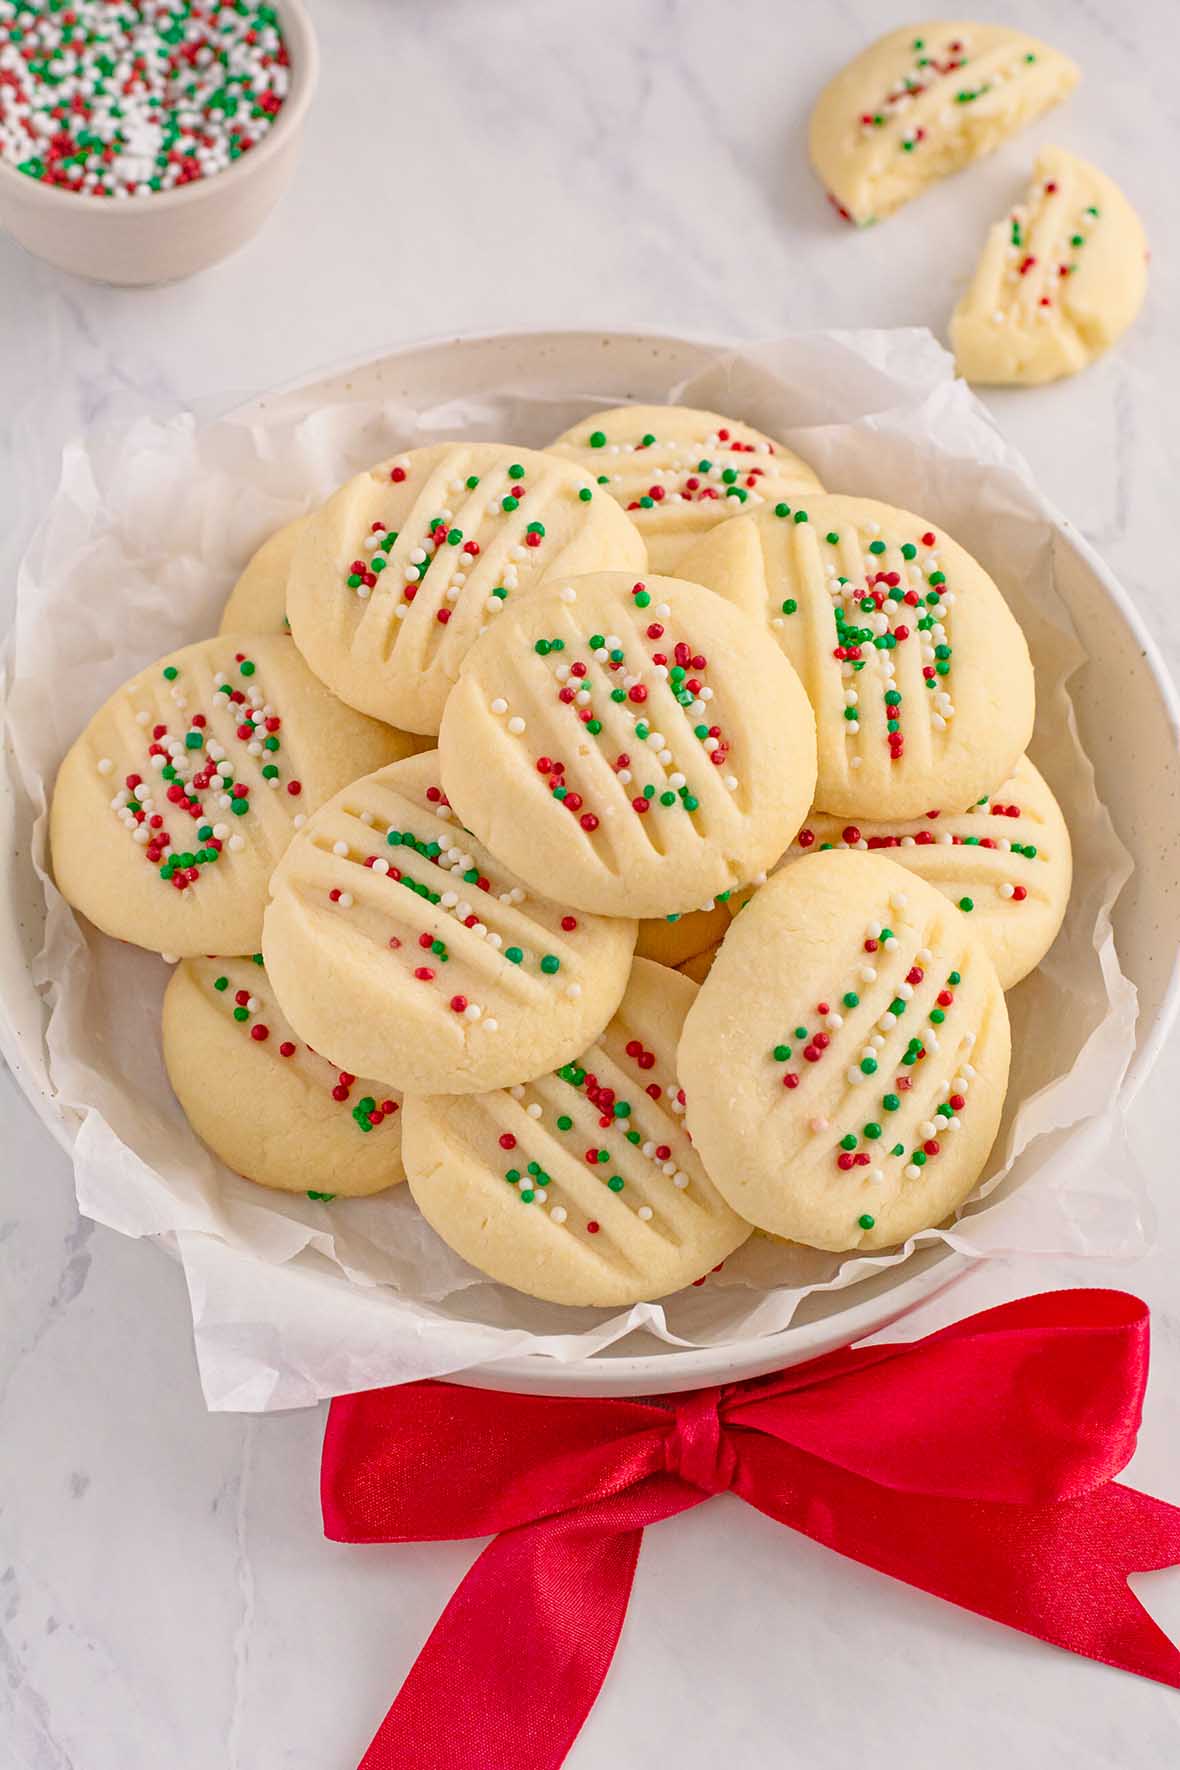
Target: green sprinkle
<point>868,1066</point>
<point>323,1198</point>
<point>170,673</point>
<point>241,1013</point>
<point>585,494</point>
<point>472,482</point>
<point>516,471</point>
<point>876,546</point>
<point>790,605</point>
<point>615,1183</point>
<point>954,978</point>
<point>852,1000</point>
<point>800,1032</point>
<point>510,504</point>
<point>781,1053</point>
<point>513,954</point>
<point>800,516</point>
<point>782,510</point>
<point>898,1149</point>
<point>598,439</point>
<point>866,1222</point>
<point>221,983</point>
<point>872,1131</point>
<point>908,550</point>
<point>832,537</point>
<point>550,963</point>
<point>966,904</point>
<point>891,1102</point>
<point>247,667</point>
<point>647,441</point>
<point>849,1142</point>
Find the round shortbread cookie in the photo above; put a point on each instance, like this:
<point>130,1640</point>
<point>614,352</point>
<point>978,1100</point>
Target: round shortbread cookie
<point>1006,863</point>
<point>258,601</point>
<point>924,101</point>
<point>209,760</point>
<point>399,572</point>
<point>917,670</point>
<point>268,1105</point>
<point>635,747</point>
<point>673,940</point>
<point>846,1061</point>
<point>400,948</point>
<point>679,472</point>
<point>580,1187</point>
<point>1060,279</point>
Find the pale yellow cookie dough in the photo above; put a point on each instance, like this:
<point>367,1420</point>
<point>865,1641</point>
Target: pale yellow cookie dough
<point>144,834</point>
<point>924,101</point>
<point>445,538</point>
<point>1060,279</point>
<point>675,942</point>
<point>1005,863</point>
<point>679,472</point>
<point>258,601</point>
<point>400,948</point>
<point>603,769</point>
<point>846,1060</point>
<point>263,1101</point>
<point>507,1181</point>
<point>949,667</point>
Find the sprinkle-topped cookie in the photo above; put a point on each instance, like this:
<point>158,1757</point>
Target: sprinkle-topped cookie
<point>124,98</point>
<point>924,101</point>
<point>401,948</point>
<point>1005,863</point>
<point>258,601</point>
<point>918,673</point>
<point>398,574</point>
<point>1060,279</point>
<point>265,1102</point>
<point>634,745</point>
<point>581,1186</point>
<point>846,1061</point>
<point>679,472</point>
<point>175,803</point>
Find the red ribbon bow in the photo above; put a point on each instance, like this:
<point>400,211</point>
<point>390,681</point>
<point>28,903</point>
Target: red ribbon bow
<point>976,1464</point>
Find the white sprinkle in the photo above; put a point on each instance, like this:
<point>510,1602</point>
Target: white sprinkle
<point>558,1214</point>
<point>680,1180</point>
<point>568,594</point>
<point>573,991</point>
<point>236,844</point>
<point>345,900</point>
<point>340,848</point>
<point>911,1172</point>
<point>105,765</point>
<point>499,705</point>
<point>516,725</point>
<point>380,865</point>
<point>299,819</point>
<point>644,1213</point>
<point>818,1126</point>
<point>491,1025</point>
<point>533,1110</point>
<point>517,1092</point>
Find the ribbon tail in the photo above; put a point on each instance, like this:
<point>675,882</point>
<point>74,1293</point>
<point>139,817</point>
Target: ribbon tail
<point>1057,1571</point>
<point>516,1660</point>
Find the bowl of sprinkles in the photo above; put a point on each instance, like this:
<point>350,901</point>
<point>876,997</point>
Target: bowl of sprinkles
<point>144,140</point>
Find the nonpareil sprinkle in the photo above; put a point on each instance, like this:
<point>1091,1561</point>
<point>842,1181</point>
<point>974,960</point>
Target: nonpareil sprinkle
<point>123,98</point>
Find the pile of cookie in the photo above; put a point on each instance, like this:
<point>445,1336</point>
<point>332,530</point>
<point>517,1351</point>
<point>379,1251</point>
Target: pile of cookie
<point>626,843</point>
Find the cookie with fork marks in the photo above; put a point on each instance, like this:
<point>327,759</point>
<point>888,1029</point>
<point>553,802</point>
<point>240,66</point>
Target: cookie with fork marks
<point>395,576</point>
<point>400,948</point>
<point>581,1186</point>
<point>917,670</point>
<point>846,1060</point>
<point>635,746</point>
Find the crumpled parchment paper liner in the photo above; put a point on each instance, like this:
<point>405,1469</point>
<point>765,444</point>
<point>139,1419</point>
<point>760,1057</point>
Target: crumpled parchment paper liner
<point>294,1300</point>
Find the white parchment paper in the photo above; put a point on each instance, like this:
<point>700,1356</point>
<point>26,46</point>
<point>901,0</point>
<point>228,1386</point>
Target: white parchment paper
<point>293,1300</point>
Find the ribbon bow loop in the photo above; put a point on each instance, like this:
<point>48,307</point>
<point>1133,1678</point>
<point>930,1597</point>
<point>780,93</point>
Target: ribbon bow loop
<point>976,1464</point>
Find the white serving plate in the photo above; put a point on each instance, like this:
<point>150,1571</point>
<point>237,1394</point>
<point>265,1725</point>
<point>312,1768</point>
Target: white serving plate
<point>1129,720</point>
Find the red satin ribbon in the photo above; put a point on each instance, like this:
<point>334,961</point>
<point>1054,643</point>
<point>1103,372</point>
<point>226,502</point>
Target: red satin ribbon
<point>976,1464</point>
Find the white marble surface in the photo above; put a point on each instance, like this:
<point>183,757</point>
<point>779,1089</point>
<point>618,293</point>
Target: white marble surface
<point>164,1595</point>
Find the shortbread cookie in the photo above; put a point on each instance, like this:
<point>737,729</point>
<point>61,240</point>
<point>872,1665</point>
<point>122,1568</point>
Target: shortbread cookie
<point>673,940</point>
<point>258,601</point>
<point>634,746</point>
<point>400,948</point>
<point>918,673</point>
<point>846,1060</point>
<point>173,806</point>
<point>1060,280</point>
<point>924,101</point>
<point>678,472</point>
<point>398,573</point>
<point>263,1101</point>
<point>580,1187</point>
<point>1005,863</point>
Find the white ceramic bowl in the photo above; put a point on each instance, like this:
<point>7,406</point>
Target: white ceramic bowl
<point>1129,719</point>
<point>171,234</point>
